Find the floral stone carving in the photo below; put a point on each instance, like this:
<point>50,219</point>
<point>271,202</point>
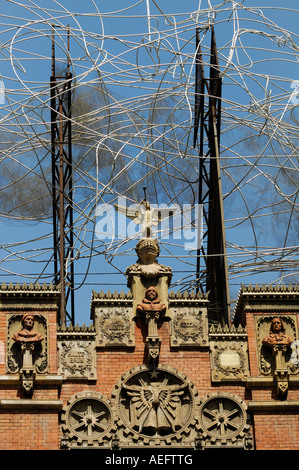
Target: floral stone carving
<point>76,352</point>
<point>156,405</point>
<point>87,420</point>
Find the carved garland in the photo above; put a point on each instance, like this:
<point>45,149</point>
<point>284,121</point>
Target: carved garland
<point>229,370</point>
<point>189,332</point>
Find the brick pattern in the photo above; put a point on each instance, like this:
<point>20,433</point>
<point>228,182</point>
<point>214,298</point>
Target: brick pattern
<point>22,429</point>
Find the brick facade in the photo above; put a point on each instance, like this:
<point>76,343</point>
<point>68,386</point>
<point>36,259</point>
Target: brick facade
<point>223,368</point>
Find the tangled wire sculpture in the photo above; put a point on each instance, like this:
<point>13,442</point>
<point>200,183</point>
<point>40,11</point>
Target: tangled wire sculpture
<point>133,70</point>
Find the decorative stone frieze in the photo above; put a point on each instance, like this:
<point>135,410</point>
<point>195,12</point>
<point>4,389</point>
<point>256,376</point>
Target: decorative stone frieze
<point>155,406</point>
<point>228,353</point>
<point>76,352</point>
<point>266,299</point>
<point>112,315</point>
<point>189,319</point>
<point>87,421</point>
<point>33,296</point>
<point>223,422</point>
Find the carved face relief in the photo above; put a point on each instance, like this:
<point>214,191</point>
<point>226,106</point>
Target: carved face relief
<point>27,329</point>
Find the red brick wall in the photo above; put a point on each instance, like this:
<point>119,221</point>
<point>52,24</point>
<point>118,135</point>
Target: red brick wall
<point>40,429</point>
<point>276,431</point>
<point>30,430</point>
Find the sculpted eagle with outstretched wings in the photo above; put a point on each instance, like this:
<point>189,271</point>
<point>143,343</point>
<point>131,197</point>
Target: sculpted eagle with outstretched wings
<point>156,407</point>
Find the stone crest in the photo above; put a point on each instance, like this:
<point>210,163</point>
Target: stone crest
<point>189,320</point>
<point>228,353</point>
<point>113,319</point>
<point>76,353</point>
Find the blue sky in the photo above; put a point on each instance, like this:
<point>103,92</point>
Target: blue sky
<point>117,31</point>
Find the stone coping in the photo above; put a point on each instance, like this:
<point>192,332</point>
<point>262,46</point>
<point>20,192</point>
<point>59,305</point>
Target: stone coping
<point>275,405</point>
<point>12,379</point>
<point>266,297</point>
<point>31,404</point>
<point>260,382</point>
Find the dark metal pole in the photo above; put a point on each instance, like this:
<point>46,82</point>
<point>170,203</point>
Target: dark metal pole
<point>210,188</point>
<point>62,186</point>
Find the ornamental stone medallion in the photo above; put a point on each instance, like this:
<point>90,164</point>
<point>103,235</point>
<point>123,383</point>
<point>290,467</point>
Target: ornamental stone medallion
<point>155,406</point>
<point>87,420</point>
<point>223,421</point>
<point>189,320</point>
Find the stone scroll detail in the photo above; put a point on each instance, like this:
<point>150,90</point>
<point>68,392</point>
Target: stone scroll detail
<point>76,353</point>
<point>228,353</point>
<point>113,319</point>
<point>155,406</point>
<point>189,320</point>
<point>87,420</point>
